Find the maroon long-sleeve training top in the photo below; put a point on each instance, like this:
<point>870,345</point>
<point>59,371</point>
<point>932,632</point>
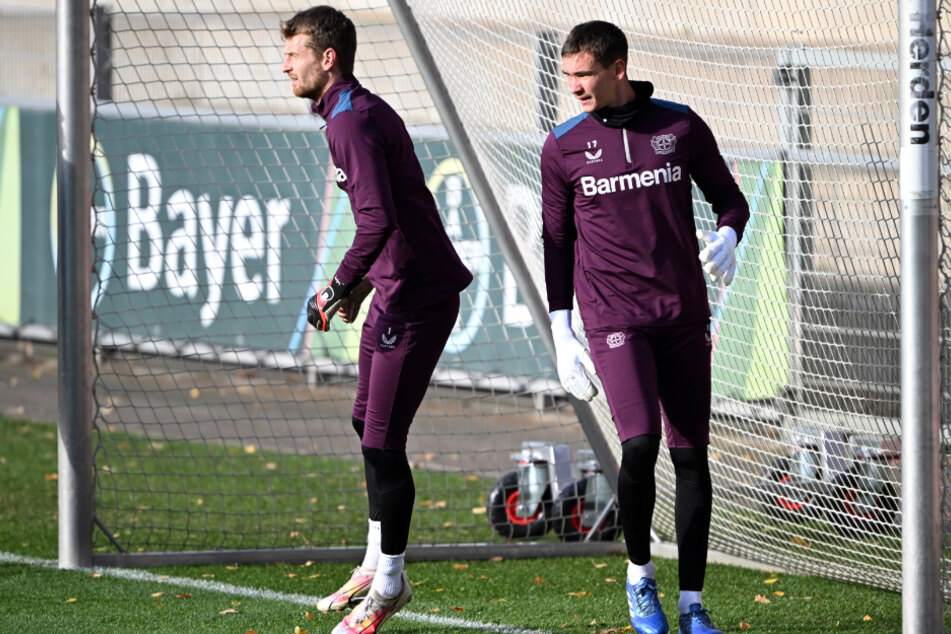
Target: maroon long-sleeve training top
<point>618,223</point>
<point>400,244</point>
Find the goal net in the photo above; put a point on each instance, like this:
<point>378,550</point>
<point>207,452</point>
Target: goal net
<point>223,420</point>
<point>805,449</point>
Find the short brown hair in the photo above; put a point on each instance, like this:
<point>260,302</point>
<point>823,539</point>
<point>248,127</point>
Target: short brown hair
<point>327,28</point>
<point>603,40</point>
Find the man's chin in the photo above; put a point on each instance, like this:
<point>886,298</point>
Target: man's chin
<point>313,95</point>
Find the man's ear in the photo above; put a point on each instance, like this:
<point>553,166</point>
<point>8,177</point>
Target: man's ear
<point>620,68</point>
<point>328,58</point>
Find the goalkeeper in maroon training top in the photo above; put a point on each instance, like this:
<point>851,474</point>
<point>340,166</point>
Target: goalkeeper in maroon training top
<point>619,234</point>
<point>401,250</point>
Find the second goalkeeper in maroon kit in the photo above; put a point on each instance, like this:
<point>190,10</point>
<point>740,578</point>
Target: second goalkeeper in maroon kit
<point>619,234</point>
<point>401,249</point>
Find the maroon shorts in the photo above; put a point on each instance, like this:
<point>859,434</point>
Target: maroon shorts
<point>397,357</point>
<point>649,368</point>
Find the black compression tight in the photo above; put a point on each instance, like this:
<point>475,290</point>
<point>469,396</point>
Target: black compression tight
<point>692,514</point>
<point>693,502</point>
<point>370,474</point>
<point>395,493</point>
<point>636,493</point>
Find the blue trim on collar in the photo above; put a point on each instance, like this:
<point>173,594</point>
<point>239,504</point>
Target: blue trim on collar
<point>672,105</point>
<point>343,104</point>
<point>562,128</point>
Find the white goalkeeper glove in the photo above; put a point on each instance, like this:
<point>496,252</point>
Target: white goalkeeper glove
<point>571,358</point>
<point>719,256</point>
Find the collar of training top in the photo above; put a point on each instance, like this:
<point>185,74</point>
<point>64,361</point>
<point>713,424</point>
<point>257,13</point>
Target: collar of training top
<point>325,106</point>
<point>620,116</point>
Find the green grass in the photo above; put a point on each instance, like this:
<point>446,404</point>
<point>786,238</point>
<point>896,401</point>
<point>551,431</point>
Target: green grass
<point>579,595</point>
<point>160,495</point>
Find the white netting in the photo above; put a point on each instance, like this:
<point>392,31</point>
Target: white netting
<point>805,451</point>
<point>202,330</point>
<point>223,420</point>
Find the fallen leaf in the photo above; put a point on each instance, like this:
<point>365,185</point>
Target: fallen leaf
<point>745,626</point>
<point>778,593</point>
<point>50,476</point>
<point>580,593</point>
<point>761,599</point>
<point>157,594</point>
<point>866,618</point>
<point>231,567</point>
<point>250,449</point>
<point>457,608</point>
<point>235,603</point>
<point>600,565</point>
<point>310,617</point>
<point>499,600</point>
<point>434,610</point>
<point>497,559</point>
<point>229,611</point>
<point>184,595</point>
<point>299,630</point>
<point>799,541</point>
<point>610,580</point>
<point>157,603</point>
<point>438,590</point>
<point>539,580</point>
<point>771,580</point>
<point>72,600</point>
<point>478,510</point>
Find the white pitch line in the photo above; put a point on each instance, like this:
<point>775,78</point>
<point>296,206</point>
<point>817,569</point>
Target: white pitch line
<point>133,574</point>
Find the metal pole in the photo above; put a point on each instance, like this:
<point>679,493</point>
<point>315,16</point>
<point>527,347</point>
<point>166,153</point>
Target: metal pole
<point>490,207</point>
<point>922,603</point>
<point>794,78</point>
<point>74,283</point>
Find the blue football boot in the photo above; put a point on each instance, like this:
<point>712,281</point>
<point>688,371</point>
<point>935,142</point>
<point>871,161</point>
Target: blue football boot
<point>697,621</point>
<point>647,617</point>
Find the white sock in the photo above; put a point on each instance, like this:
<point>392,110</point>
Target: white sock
<point>388,580</point>
<point>372,557</point>
<point>635,573</point>
<point>688,598</point>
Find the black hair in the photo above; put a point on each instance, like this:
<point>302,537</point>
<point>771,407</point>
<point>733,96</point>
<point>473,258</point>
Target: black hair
<point>603,40</point>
